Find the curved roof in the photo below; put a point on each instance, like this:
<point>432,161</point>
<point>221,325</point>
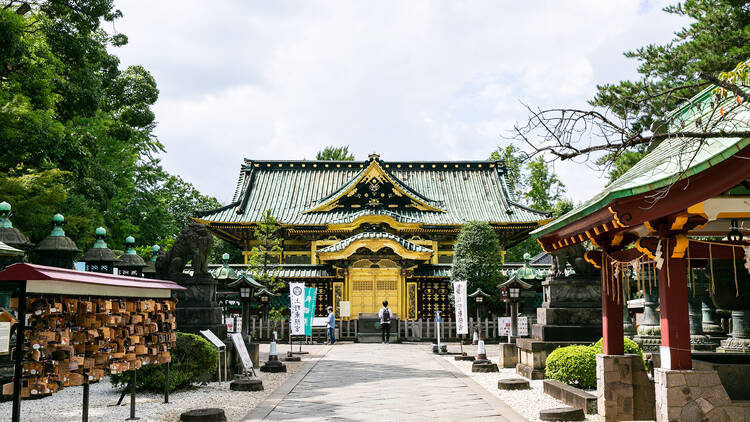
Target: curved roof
<point>340,246</point>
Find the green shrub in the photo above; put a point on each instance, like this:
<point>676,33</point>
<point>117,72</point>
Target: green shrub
<point>631,348</point>
<point>573,365</point>
<point>194,359</point>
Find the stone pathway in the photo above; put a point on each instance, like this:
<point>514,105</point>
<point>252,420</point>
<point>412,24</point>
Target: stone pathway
<point>377,382</point>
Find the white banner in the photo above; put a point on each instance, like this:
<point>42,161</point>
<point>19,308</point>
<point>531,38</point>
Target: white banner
<point>296,307</point>
<point>459,297</point>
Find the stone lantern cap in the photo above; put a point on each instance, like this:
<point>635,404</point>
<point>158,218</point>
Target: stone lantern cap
<point>225,272</point>
<point>10,235</point>
<point>515,281</point>
<point>100,252</point>
<point>57,241</point>
<point>245,280</point>
<point>130,259</point>
<point>478,292</point>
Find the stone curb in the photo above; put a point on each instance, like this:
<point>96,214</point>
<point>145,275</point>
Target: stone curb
<point>493,401</point>
<point>266,406</point>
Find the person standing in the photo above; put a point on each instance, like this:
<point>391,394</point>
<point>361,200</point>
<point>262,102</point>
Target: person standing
<point>385,322</point>
<point>331,325</point>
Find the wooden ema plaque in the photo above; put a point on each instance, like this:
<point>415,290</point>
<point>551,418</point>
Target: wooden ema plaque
<point>69,338</point>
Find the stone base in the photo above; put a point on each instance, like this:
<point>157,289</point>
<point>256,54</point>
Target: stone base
<point>513,384</point>
<point>648,344</point>
<point>204,415</point>
<point>443,348</point>
<point>508,355</point>
<point>273,366</point>
<point>246,384</point>
<point>291,358</point>
<point>465,357</point>
<point>484,366</point>
<point>529,372</point>
<point>588,333</point>
<point>690,395</point>
<point>562,414</point>
<point>702,343</point>
<point>571,396</point>
<point>734,345</point>
<point>623,389</point>
<point>569,316</point>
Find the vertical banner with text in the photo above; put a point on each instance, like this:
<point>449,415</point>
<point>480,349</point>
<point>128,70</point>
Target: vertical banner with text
<point>297,309</point>
<point>459,297</point>
<point>310,299</point>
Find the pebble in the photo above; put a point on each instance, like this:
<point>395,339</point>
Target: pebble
<point>527,403</point>
<point>66,405</point>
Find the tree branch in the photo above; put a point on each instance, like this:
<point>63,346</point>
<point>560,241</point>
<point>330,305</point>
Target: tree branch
<point>736,89</point>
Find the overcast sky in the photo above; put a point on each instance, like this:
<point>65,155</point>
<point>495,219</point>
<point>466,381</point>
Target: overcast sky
<point>410,80</point>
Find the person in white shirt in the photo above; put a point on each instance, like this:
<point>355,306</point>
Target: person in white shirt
<point>385,322</point>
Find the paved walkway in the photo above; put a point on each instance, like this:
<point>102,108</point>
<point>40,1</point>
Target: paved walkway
<point>382,382</point>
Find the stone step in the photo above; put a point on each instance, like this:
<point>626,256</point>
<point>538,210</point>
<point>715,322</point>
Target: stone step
<point>562,414</point>
<point>513,384</point>
<point>571,396</point>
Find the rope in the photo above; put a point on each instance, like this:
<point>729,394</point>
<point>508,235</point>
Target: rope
<point>711,265</point>
<point>734,264</point>
<point>690,273</point>
<point>666,252</point>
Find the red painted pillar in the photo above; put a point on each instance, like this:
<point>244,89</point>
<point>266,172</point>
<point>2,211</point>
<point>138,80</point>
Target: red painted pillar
<point>612,329</point>
<point>673,303</point>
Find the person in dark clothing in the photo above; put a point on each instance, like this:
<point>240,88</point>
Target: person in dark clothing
<point>385,322</point>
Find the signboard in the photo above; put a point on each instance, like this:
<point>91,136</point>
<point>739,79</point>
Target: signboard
<point>459,296</point>
<point>320,322</point>
<point>296,308</point>
<point>4,338</point>
<point>503,326</point>
<point>345,309</point>
<point>311,294</point>
<point>210,336</point>
<point>239,344</point>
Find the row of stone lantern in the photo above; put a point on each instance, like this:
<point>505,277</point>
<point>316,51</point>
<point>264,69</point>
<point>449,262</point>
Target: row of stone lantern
<point>58,250</point>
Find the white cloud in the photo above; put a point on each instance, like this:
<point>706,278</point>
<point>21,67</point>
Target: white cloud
<point>410,80</point>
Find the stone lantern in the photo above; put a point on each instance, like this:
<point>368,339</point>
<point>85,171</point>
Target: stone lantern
<point>149,271</point>
<point>100,258</point>
<point>130,263</point>
<point>10,236</point>
<point>247,287</point>
<point>57,250</point>
<point>264,297</point>
<point>510,292</point>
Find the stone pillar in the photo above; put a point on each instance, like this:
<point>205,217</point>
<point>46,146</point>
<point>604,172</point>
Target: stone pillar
<point>675,326</point>
<point>623,389</point>
<point>611,312</point>
<point>739,341</point>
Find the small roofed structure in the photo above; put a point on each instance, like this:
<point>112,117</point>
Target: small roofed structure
<point>100,258</point>
<point>149,270</point>
<point>57,250</point>
<point>131,264</point>
<point>11,237</point>
<point>224,272</point>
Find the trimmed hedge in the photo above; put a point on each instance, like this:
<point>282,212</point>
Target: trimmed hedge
<point>194,359</point>
<point>576,365</point>
<point>573,365</point>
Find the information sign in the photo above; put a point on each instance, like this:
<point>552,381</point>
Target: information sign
<point>239,344</point>
<point>503,326</point>
<point>320,322</point>
<point>210,336</point>
<point>296,306</point>
<point>345,309</point>
<point>4,338</point>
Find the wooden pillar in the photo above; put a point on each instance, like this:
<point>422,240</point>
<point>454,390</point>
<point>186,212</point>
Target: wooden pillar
<point>612,329</point>
<point>673,302</point>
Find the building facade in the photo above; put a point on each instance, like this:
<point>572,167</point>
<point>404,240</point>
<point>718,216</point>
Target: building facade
<point>368,231</point>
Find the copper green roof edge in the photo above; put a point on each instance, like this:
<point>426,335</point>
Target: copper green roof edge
<point>589,209</point>
<point>337,192</point>
<point>343,244</point>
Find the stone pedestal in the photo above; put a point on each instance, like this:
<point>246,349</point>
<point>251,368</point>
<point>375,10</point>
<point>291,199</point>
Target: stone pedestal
<point>508,355</point>
<point>571,313</point>
<point>243,383</point>
<point>690,395</point>
<point>273,366</point>
<point>649,331</point>
<point>623,389</point>
<point>483,365</point>
<point>196,307</point>
<point>739,341</point>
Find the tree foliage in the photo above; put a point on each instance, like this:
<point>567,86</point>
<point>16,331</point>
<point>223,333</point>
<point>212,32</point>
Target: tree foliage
<point>266,252</point>
<point>335,154</point>
<point>77,131</point>
<point>477,258</point>
<point>512,158</point>
<point>617,132</point>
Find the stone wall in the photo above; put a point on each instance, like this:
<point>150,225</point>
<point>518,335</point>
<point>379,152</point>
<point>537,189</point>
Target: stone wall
<point>623,389</point>
<point>692,395</point>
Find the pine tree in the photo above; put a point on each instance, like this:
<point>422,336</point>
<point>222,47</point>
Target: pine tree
<point>266,252</point>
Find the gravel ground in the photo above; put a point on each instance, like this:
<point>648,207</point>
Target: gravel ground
<point>66,405</point>
<point>527,403</point>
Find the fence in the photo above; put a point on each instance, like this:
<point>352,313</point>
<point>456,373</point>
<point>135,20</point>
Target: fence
<point>417,330</point>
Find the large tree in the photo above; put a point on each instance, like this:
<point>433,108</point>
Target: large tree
<point>335,154</point>
<point>77,130</point>
<point>625,121</point>
<point>477,259</point>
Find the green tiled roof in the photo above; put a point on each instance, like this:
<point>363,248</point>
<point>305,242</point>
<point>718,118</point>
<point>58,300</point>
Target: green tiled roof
<point>339,246</point>
<point>465,190</point>
<point>672,160</point>
<point>433,270</point>
<point>282,271</point>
